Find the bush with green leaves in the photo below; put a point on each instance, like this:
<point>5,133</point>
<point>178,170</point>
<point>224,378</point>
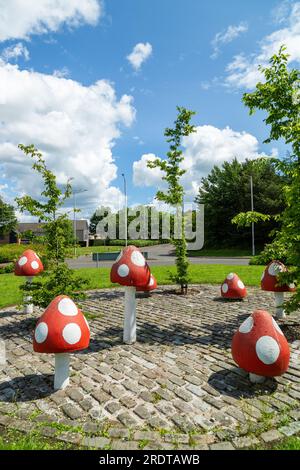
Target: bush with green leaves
<point>49,210</point>
<point>172,170</point>
<point>279,97</point>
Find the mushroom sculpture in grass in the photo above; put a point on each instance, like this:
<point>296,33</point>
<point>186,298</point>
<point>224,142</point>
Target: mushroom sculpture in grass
<point>233,287</point>
<point>130,270</point>
<point>152,285</point>
<point>269,282</point>
<point>61,330</point>
<point>260,347</point>
<point>28,265</point>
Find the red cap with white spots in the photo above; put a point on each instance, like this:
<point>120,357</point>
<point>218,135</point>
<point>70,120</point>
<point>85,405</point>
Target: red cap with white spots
<point>260,347</point>
<point>269,280</point>
<point>29,264</point>
<point>62,328</point>
<point>130,268</point>
<point>152,285</point>
<point>233,287</point>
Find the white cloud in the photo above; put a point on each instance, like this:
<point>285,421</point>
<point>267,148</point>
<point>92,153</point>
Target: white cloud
<point>140,53</point>
<point>243,71</point>
<point>205,148</point>
<point>64,72</point>
<point>75,126</point>
<point>227,36</point>
<point>19,19</point>
<point>14,52</point>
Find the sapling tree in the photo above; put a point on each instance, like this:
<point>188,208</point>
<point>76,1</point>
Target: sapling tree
<point>279,97</point>
<point>174,195</point>
<point>60,279</point>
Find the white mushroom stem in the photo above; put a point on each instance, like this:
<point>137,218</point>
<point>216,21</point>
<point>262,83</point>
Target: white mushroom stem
<point>279,300</point>
<point>62,369</point>
<point>129,334</point>
<point>28,305</point>
<point>256,379</point>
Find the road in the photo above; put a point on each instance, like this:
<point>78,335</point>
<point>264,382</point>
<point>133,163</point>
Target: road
<point>159,255</point>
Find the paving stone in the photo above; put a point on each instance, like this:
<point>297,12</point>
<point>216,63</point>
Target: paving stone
<point>95,442</point>
<point>222,446</point>
<point>245,442</point>
<point>71,411</point>
<point>271,436</point>
<point>118,433</point>
<point>124,445</point>
<point>291,429</point>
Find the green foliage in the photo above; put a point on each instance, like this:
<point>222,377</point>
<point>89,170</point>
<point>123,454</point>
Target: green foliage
<point>47,210</point>
<point>171,167</point>
<point>58,234</point>
<point>61,280</point>
<point>245,219</point>
<point>8,220</point>
<point>225,192</point>
<point>9,268</point>
<point>279,97</point>
<point>275,250</point>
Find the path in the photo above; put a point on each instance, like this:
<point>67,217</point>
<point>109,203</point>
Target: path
<point>159,255</point>
<point>177,387</point>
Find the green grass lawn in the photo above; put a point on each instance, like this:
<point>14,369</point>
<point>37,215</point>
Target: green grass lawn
<point>99,278</point>
<point>222,252</point>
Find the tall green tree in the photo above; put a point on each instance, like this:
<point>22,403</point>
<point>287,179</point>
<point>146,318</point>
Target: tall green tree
<point>171,167</point>
<point>8,220</point>
<point>279,98</point>
<point>226,192</point>
<point>61,279</point>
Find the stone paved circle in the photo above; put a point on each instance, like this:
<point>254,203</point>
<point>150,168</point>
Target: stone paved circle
<point>177,387</point>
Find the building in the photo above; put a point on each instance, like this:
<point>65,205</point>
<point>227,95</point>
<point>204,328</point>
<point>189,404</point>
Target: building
<point>37,229</point>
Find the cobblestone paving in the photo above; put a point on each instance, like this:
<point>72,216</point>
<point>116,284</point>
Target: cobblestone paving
<point>177,387</point>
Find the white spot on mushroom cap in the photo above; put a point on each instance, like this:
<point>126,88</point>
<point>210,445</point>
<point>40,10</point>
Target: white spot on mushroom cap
<point>123,270</point>
<point>23,260</point>
<point>274,269</point>
<point>246,326</point>
<point>35,265</point>
<point>230,276</point>
<point>67,307</point>
<point>137,258</point>
<point>71,333</point>
<point>241,284</point>
<point>41,332</point>
<point>275,324</point>
<point>151,282</point>
<point>225,288</point>
<point>262,276</point>
<point>267,350</point>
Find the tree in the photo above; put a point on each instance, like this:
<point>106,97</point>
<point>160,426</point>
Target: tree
<point>226,192</point>
<point>279,97</point>
<point>171,167</point>
<point>8,220</point>
<point>57,233</point>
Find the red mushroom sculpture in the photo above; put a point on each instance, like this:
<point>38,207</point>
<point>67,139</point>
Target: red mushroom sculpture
<point>269,282</point>
<point>152,285</point>
<point>28,265</point>
<point>233,287</point>
<point>130,270</point>
<point>61,330</point>
<point>260,347</point>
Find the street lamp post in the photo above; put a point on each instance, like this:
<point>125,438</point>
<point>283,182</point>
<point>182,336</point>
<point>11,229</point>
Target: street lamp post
<point>252,209</point>
<point>125,193</point>
<point>74,218</point>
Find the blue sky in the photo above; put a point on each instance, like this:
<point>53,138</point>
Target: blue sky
<point>198,54</point>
